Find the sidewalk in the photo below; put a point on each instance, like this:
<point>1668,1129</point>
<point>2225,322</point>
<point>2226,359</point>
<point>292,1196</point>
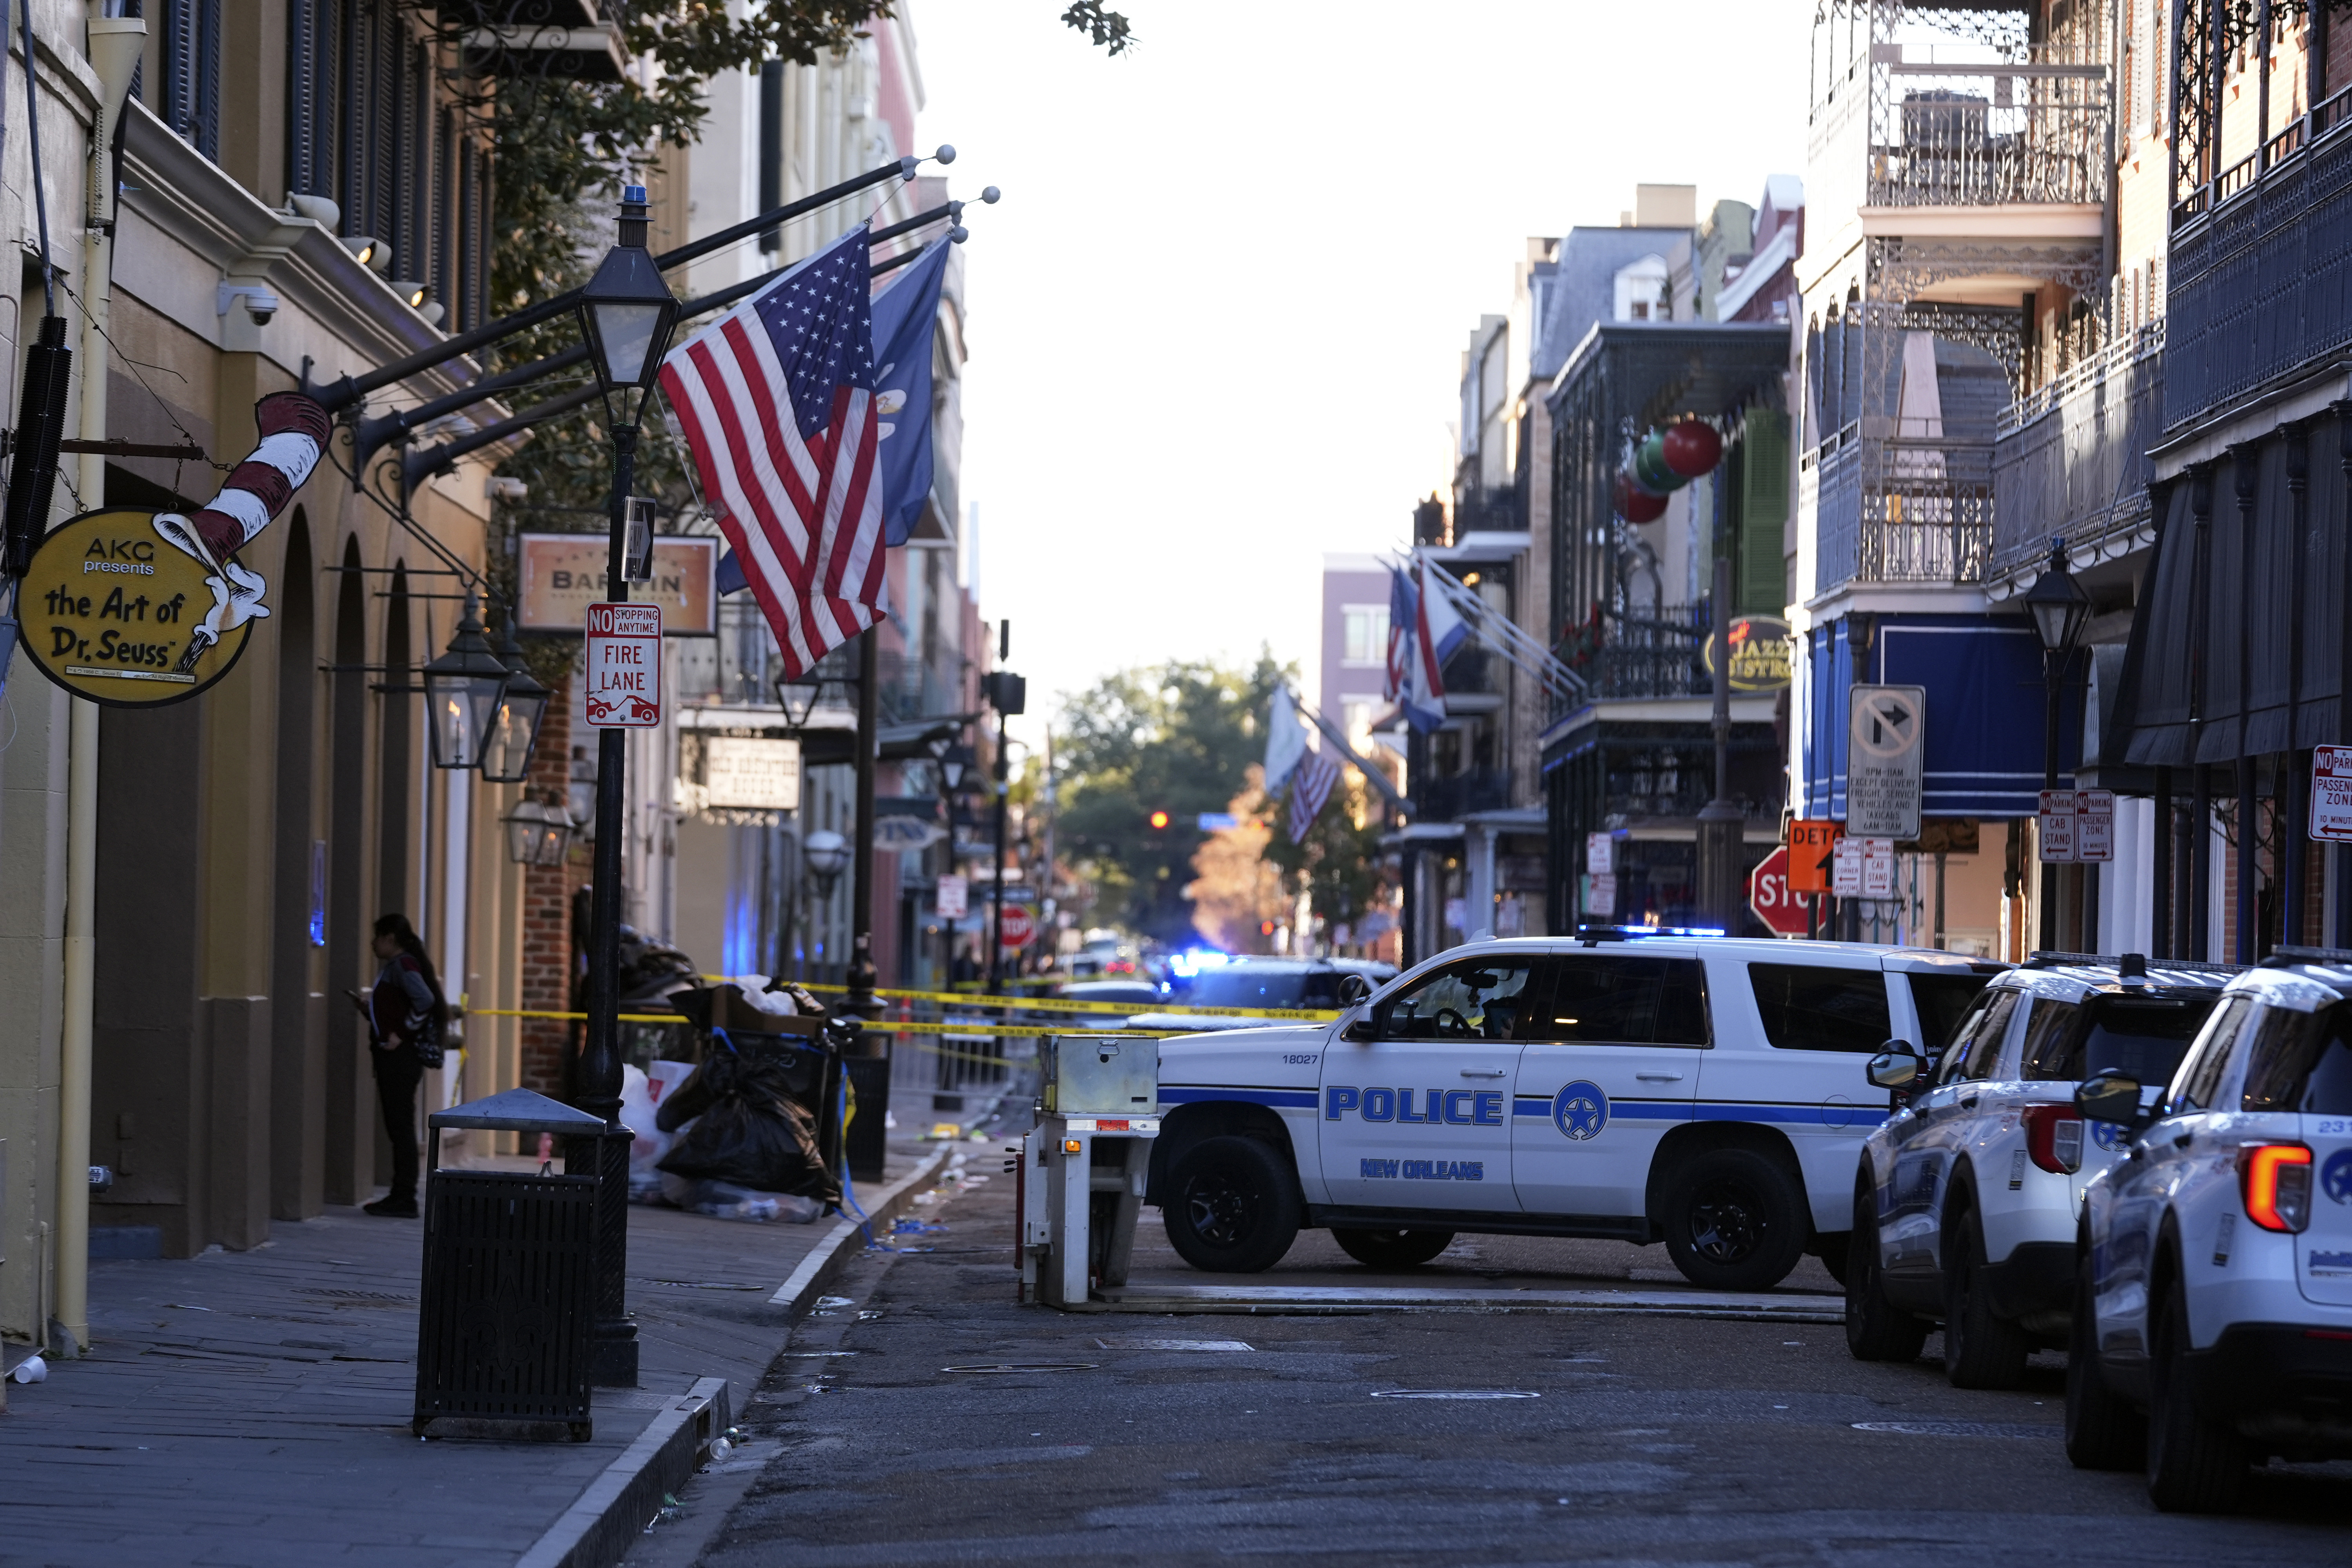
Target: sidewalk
<point>253,1407</point>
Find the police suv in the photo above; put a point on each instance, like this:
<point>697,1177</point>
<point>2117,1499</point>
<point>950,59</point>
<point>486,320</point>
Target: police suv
<point>1624,1083</point>
<point>1965,1200</point>
<point>2212,1324</point>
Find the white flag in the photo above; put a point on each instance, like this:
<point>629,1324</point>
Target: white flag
<point>1286,740</point>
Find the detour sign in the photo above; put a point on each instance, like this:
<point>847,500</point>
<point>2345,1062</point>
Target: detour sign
<point>108,611</point>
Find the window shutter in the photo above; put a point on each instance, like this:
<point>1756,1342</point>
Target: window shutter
<point>1763,511</point>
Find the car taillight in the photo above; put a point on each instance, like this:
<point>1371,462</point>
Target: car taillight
<point>2275,1179</point>
<point>2054,1137</point>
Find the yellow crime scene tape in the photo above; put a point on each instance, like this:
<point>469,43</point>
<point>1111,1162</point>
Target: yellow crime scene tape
<point>906,1026</point>
<point>1065,1004</point>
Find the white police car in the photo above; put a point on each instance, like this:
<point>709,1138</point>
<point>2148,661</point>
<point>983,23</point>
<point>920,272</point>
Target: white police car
<point>1965,1199</point>
<point>1622,1084</point>
<point>2212,1325</point>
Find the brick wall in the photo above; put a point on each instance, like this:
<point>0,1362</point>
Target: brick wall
<point>547,959</point>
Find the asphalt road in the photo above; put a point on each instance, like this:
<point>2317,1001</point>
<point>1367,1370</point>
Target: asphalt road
<point>1650,1440</point>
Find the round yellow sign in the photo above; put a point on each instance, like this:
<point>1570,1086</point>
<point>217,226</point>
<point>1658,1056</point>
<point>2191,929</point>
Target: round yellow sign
<point>111,611</point>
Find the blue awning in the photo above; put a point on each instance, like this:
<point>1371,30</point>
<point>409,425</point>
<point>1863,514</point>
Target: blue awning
<point>1984,710</point>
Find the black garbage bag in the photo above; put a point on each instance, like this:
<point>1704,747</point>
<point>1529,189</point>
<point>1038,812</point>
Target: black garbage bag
<point>750,1128</point>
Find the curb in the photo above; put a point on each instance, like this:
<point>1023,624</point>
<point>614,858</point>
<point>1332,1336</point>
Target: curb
<point>601,1523</point>
<point>827,1257</point>
<point>609,1517</point>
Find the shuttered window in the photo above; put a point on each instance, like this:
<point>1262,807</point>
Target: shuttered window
<point>189,90</point>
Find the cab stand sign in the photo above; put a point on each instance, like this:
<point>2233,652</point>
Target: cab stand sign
<point>111,613</point>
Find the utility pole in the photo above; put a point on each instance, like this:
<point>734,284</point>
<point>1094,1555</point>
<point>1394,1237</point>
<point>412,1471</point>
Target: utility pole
<point>861,885</point>
<point>1008,694</point>
<point>1720,820</point>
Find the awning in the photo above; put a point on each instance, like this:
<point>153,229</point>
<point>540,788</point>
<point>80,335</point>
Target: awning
<point>2237,647</point>
<point>1984,710</point>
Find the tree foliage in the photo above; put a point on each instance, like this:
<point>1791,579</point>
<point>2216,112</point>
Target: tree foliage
<point>1178,738</point>
<point>1338,865</point>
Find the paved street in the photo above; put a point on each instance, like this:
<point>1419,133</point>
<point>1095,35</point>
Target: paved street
<point>1634,1438</point>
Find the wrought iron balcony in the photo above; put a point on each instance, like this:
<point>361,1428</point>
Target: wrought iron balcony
<point>2071,459</point>
<point>2261,280</point>
<point>1445,799</point>
<point>1897,508</point>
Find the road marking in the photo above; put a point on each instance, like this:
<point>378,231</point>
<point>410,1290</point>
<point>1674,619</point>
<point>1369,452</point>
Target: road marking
<point>1135,1344</point>
<point>1790,1307</point>
<point>1962,1428</point>
<point>1454,1393</point>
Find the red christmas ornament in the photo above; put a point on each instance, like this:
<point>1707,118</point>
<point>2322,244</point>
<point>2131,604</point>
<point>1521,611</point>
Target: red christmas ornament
<point>1692,448</point>
<point>1636,504</point>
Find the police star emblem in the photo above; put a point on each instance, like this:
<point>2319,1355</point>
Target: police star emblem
<point>1581,1110</point>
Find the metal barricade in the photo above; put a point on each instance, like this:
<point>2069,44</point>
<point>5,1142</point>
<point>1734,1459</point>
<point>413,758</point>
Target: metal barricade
<point>509,1287</point>
<point>1082,1170</point>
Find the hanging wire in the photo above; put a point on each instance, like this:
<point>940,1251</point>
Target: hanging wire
<point>40,193</point>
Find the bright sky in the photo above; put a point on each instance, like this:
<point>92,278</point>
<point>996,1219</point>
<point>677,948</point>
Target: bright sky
<point>1216,322</point>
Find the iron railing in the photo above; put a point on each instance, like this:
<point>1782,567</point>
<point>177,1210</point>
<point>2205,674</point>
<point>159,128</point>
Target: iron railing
<point>2260,269</point>
<point>1901,508</point>
<point>2071,458</point>
<point>1987,135</point>
<point>1445,799</point>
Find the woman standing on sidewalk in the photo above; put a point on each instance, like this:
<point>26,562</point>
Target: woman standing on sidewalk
<point>404,1013</point>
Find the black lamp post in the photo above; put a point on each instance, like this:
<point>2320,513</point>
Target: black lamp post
<point>626,312</point>
<point>462,692</point>
<point>2059,608</point>
<point>514,730</point>
<point>797,695</point>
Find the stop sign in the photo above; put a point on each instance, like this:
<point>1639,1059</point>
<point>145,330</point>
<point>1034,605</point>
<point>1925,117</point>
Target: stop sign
<point>1020,926</point>
<point>1770,895</point>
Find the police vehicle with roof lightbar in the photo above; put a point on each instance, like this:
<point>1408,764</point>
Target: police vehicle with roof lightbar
<point>1965,1200</point>
<point>2212,1320</point>
<point>1629,1083</point>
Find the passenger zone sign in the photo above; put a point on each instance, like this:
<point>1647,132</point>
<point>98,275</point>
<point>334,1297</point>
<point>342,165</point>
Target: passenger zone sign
<point>2331,793</point>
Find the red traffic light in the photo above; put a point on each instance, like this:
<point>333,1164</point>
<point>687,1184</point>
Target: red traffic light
<point>1159,820</point>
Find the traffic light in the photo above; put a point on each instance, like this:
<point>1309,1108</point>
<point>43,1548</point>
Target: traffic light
<point>1159,820</point>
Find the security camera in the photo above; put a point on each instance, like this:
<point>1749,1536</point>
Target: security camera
<point>260,303</point>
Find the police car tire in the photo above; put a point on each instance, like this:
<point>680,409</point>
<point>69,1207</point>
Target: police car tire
<point>2194,1465</point>
<point>2104,1432</point>
<point>1735,1221</point>
<point>1392,1248</point>
<point>1876,1329</point>
<point>1233,1206</point>
<point>1980,1351</point>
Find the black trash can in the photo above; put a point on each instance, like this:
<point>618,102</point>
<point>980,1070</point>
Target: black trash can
<point>869,1090</point>
<point>510,1289</point>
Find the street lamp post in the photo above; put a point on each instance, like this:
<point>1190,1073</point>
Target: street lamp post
<point>464,691</point>
<point>1008,694</point>
<point>2059,608</point>
<point>1720,821</point>
<point>626,312</point>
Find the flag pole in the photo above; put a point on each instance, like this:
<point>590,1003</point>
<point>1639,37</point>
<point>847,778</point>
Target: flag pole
<point>861,887</point>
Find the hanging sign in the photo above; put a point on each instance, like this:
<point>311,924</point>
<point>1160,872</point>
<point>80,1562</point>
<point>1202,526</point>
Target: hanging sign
<point>2094,825</point>
<point>954,898</point>
<point>1886,752</point>
<point>2331,793</point>
<point>752,772</point>
<point>623,688</point>
<point>1759,653</point>
<point>2055,823</point>
<point>558,575</point>
<point>110,612</point>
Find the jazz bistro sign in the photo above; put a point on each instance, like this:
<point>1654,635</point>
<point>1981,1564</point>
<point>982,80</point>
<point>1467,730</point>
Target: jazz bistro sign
<point>109,611</point>
<point>560,574</point>
<point>1759,653</point>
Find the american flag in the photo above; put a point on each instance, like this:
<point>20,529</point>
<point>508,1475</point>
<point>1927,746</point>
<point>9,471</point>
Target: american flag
<point>776,402</point>
<point>1310,787</point>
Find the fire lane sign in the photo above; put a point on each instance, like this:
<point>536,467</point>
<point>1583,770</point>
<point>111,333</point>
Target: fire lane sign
<point>622,689</point>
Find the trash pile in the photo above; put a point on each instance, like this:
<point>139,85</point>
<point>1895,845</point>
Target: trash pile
<point>742,1135</point>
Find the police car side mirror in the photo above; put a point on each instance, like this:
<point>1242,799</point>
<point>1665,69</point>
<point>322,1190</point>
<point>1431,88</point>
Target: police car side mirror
<point>2110,1097</point>
<point>1896,1067</point>
<point>1353,988</point>
<point>1362,1031</point>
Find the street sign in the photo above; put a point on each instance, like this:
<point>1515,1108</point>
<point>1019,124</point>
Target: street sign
<point>752,772</point>
<point>1878,868</point>
<point>1811,845</point>
<point>1775,903</point>
<point>2094,825</point>
<point>1601,853</point>
<point>1020,927</point>
<point>2056,826</point>
<point>1886,750</point>
<point>623,689</point>
<point>557,575</point>
<point>954,898</point>
<point>1759,653</point>
<point>1601,898</point>
<point>1845,868</point>
<point>2331,793</point>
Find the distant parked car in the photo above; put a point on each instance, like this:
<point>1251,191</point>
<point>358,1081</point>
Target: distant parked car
<point>1273,984</point>
<point>1122,993</point>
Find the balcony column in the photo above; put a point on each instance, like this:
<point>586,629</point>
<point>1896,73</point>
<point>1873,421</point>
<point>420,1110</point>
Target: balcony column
<point>1720,820</point>
<point>2246,474</point>
<point>2160,894</point>
<point>1478,857</point>
<point>2339,865</point>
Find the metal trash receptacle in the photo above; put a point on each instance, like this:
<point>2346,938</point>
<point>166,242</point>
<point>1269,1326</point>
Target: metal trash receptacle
<point>865,1143</point>
<point>509,1287</point>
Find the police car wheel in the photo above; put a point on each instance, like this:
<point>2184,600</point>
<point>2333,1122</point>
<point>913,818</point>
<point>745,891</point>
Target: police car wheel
<point>1735,1221</point>
<point>1980,1349</point>
<point>2194,1465</point>
<point>1392,1248</point>
<point>1876,1329</point>
<point>1232,1206</point>
<point>2103,1431</point>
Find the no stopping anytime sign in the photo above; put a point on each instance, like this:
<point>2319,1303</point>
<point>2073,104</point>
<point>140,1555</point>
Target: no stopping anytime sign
<point>623,676</point>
